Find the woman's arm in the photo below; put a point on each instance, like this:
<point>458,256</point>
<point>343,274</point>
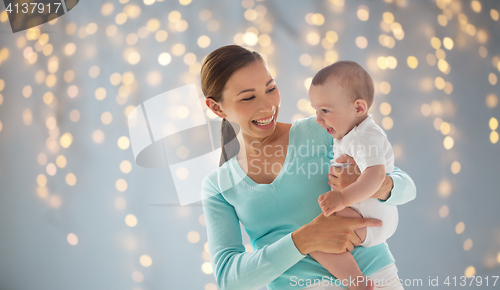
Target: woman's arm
<point>233,267</point>
<point>403,189</point>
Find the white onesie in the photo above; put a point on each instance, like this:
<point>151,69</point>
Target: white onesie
<point>367,144</point>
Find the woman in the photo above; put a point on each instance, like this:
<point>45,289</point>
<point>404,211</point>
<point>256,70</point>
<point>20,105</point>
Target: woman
<point>269,179</point>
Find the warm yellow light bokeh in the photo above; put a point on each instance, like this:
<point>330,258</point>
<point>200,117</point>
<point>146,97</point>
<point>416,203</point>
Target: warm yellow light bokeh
<point>207,268</point>
<point>74,115</point>
<point>125,166</point>
<point>385,88</point>
<point>121,185</point>
<point>72,239</point>
<point>361,42</point>
<point>193,237</point>
<point>448,143</point>
<point>445,128</point>
<point>492,78</point>
<point>455,167</point>
<point>203,41</point>
<point>387,123</point>
<point>66,140</point>
<point>448,43</point>
<point>491,101</point>
<point>435,42</point>
<point>385,108</point>
<point>98,136</point>
<point>444,211</point>
<point>145,260</point>
<point>412,62</point>
<point>470,271</point>
<point>120,203</point>
<point>131,220</point>
<point>476,6</point>
<point>493,123</point>
<point>444,188</point>
<point>494,137</point>
<point>363,13</point>
<point>70,179</point>
<point>426,109</point>
<point>494,14</point>
<point>460,228</point>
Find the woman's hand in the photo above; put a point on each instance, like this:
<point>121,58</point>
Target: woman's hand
<point>385,190</point>
<point>340,178</point>
<point>331,234</point>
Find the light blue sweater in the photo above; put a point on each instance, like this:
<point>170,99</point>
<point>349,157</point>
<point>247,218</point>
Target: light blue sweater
<point>271,212</point>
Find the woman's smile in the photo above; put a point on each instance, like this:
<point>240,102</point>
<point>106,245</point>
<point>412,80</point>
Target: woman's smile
<point>264,123</point>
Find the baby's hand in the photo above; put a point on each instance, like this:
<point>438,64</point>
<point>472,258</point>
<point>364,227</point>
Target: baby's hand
<point>331,202</point>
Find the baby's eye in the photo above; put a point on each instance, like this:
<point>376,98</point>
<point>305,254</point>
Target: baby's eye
<point>248,99</point>
<point>324,111</point>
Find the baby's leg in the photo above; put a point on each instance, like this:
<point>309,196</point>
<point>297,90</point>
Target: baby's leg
<point>343,266</point>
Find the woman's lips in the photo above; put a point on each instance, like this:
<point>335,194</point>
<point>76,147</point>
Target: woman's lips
<point>264,126</point>
<point>264,118</point>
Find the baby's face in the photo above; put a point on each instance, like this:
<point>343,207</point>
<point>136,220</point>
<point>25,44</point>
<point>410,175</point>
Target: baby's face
<point>334,111</point>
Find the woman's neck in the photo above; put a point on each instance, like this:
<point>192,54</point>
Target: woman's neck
<point>254,145</point>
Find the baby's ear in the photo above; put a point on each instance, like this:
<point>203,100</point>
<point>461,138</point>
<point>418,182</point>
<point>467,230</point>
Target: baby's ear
<point>361,107</point>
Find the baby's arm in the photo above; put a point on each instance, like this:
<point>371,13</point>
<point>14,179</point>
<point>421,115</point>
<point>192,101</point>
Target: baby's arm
<point>367,184</point>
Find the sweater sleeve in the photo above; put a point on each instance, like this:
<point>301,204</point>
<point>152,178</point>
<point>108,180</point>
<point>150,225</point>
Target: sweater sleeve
<point>233,267</point>
<point>403,189</point>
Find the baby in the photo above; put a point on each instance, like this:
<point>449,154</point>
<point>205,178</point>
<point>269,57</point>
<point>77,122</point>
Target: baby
<point>341,94</point>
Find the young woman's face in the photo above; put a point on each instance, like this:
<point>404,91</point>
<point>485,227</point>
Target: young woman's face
<point>251,99</point>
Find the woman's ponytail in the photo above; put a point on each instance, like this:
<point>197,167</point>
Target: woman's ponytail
<point>229,142</point>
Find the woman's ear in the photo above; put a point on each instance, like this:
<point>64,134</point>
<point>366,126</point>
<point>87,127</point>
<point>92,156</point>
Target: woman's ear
<point>361,107</point>
<point>215,107</point>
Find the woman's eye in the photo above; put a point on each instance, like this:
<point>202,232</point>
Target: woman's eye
<point>271,89</point>
<point>248,99</point>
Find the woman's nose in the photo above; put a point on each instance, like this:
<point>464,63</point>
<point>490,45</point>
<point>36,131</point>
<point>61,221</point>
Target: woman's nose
<point>267,108</point>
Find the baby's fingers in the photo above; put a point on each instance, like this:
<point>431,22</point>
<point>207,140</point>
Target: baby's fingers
<point>329,212</point>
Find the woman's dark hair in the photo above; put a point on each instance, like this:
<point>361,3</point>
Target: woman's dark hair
<point>216,70</point>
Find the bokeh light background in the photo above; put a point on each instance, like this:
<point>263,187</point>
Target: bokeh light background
<point>76,212</point>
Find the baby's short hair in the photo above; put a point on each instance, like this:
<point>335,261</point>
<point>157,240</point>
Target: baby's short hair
<point>353,78</point>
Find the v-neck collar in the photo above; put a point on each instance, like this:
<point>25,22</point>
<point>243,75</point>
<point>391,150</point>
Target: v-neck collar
<point>265,186</point>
